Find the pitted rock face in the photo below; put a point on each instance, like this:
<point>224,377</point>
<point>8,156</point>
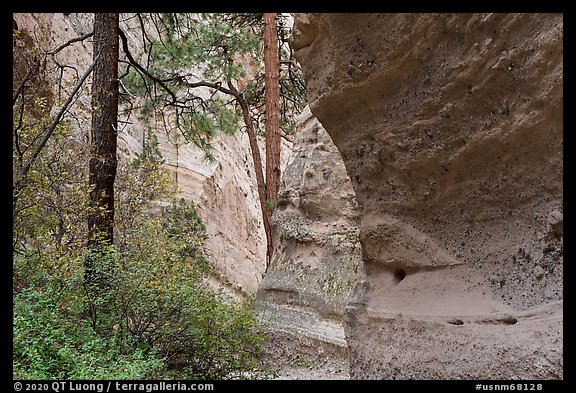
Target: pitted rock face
<point>317,255</point>
<point>450,127</point>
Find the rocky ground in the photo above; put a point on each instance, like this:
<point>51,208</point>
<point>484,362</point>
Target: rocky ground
<point>317,372</point>
<point>303,344</point>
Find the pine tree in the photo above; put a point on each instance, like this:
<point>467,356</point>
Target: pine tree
<point>228,50</point>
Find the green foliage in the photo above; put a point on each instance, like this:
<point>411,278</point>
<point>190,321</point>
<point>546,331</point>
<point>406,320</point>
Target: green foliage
<point>142,308</point>
<point>49,203</point>
<point>176,44</point>
<point>183,49</point>
<point>147,309</point>
<point>224,339</point>
<point>53,341</point>
<point>271,205</point>
<point>163,302</point>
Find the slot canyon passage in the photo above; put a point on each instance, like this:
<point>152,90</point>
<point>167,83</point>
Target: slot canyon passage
<point>450,128</point>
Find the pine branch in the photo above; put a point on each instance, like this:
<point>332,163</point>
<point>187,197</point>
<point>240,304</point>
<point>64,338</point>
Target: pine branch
<point>136,65</point>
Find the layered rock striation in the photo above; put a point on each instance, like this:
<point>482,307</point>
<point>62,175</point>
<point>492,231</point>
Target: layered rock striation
<point>451,130</point>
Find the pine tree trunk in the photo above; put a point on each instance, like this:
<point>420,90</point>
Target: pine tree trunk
<point>272,95</point>
<point>259,175</point>
<point>103,134</point>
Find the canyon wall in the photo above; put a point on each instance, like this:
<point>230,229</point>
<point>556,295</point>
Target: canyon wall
<point>451,130</point>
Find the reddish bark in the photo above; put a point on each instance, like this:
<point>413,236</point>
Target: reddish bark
<point>272,96</point>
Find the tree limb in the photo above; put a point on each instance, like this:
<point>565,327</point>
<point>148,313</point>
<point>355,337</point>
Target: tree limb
<point>48,131</point>
<point>257,161</point>
<point>142,69</point>
<point>71,41</point>
<point>215,86</point>
<point>28,76</point>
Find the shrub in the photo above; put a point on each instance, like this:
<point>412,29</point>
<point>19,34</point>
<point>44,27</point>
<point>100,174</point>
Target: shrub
<point>161,301</point>
<point>143,309</point>
<point>53,341</point>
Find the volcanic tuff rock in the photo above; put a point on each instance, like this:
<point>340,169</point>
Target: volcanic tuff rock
<point>316,260</point>
<point>315,236</point>
<point>450,127</point>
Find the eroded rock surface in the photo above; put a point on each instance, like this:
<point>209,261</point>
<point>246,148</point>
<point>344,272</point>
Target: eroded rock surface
<point>316,261</point>
<point>316,247</point>
<point>450,127</point>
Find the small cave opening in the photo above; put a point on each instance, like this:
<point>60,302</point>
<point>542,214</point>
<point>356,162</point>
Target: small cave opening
<point>399,275</point>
